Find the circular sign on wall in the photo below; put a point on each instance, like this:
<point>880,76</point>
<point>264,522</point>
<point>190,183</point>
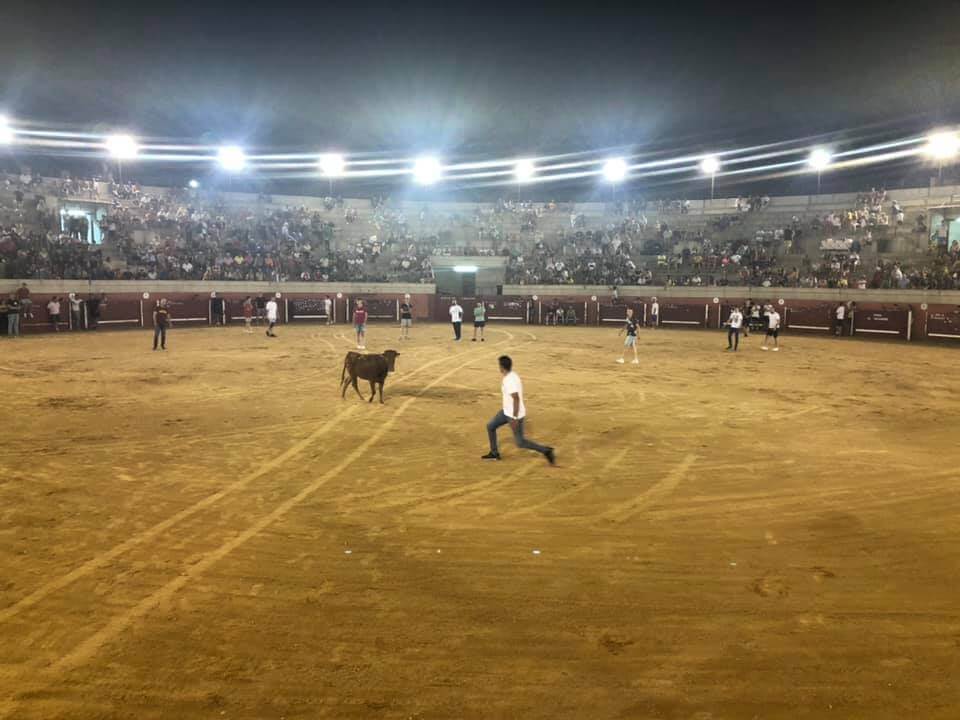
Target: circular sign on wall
<point>535,298</point>
<point>278,296</point>
<point>923,306</point>
<point>339,296</point>
<point>780,301</point>
<point>146,296</point>
<point>593,298</point>
<point>716,301</point>
<point>213,294</point>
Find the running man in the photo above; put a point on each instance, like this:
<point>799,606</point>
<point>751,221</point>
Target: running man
<point>773,330</point>
<point>161,321</point>
<point>513,413</point>
<point>360,324</point>
<point>248,315</point>
<point>479,320</point>
<point>406,317</point>
<point>456,317</point>
<point>654,313</point>
<point>630,327</point>
<point>734,323</point>
<point>272,314</point>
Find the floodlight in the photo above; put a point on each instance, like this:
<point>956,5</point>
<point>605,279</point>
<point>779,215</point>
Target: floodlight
<point>6,132</point>
<point>943,145</point>
<point>427,170</point>
<point>819,159</point>
<point>122,147</point>
<point>710,164</point>
<point>524,170</point>
<point>332,165</point>
<point>465,268</point>
<point>615,169</point>
<point>194,184</point>
<point>232,158</point>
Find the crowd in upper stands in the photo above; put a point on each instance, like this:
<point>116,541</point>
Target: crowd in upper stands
<point>183,235</point>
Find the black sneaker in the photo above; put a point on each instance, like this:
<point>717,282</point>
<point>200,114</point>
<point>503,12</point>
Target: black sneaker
<point>490,456</point>
<point>551,458</point>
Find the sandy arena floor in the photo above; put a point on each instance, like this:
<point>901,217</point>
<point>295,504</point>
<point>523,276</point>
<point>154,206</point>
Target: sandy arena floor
<point>212,532</point>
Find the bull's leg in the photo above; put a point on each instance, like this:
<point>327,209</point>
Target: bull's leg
<point>381,392</point>
<point>373,390</point>
<point>357,389</point>
<point>344,384</point>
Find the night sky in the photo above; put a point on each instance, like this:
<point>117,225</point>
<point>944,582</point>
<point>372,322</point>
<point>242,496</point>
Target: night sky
<point>484,80</point>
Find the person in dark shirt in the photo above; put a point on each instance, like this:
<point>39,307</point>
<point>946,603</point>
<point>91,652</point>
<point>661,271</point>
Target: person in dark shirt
<point>261,305</point>
<point>630,327</point>
<point>217,309</point>
<point>406,317</point>
<point>161,321</point>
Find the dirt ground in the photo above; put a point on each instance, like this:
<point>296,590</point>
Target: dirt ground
<point>211,532</point>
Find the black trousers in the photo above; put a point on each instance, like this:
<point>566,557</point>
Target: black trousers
<point>456,329</point>
<point>733,338</point>
<point>160,333</point>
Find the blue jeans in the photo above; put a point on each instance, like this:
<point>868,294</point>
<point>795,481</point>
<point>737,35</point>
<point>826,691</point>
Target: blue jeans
<point>501,419</point>
<point>160,333</point>
<point>13,324</point>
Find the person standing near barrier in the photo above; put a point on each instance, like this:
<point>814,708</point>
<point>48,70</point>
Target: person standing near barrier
<point>161,321</point>
<point>839,319</point>
<point>13,316</point>
<point>456,317</point>
<point>512,413</point>
<point>734,323</point>
<point>248,315</point>
<point>261,306</point>
<point>654,313</point>
<point>26,303</point>
<point>773,330</point>
<point>360,324</point>
<point>328,309</point>
<point>630,327</point>
<point>406,317</point>
<point>76,312</point>
<point>53,313</point>
<point>479,320</point>
<point>272,314</point>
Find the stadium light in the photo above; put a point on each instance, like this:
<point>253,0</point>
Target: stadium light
<point>232,158</point>
<point>427,170</point>
<point>819,160</point>
<point>615,170</point>
<point>6,132</point>
<point>943,145</point>
<point>332,165</point>
<point>524,170</point>
<point>709,165</point>
<point>122,147</point>
<point>193,184</point>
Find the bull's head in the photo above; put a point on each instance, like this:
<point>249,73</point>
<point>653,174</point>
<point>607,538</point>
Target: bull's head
<point>391,356</point>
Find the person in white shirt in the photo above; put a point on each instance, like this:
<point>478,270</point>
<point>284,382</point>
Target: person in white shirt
<point>271,316</point>
<point>53,312</point>
<point>512,413</point>
<point>734,323</point>
<point>655,313</point>
<point>76,312</point>
<point>456,317</point>
<point>840,315</point>
<point>328,309</point>
<point>773,330</point>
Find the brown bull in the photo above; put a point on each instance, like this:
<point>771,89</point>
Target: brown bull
<point>373,368</point>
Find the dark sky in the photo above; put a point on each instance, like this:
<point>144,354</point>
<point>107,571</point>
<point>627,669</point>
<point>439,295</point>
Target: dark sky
<point>484,79</point>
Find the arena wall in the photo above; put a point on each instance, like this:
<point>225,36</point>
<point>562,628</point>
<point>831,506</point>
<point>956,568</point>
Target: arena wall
<point>892,314</point>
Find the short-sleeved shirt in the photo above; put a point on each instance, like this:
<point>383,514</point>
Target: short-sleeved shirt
<point>406,310</point>
<point>272,310</point>
<point>360,316</point>
<point>631,326</point>
<point>23,293</point>
<point>736,320</point>
<point>162,316</point>
<point>841,312</point>
<point>511,384</point>
<point>247,309</point>
<point>327,304</point>
<point>53,307</point>
<point>260,302</point>
<point>75,304</point>
<point>479,313</point>
<point>456,313</point>
<point>774,320</point>
<point>655,309</point>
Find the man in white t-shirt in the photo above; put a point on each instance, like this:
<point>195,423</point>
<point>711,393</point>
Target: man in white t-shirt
<point>53,312</point>
<point>512,413</point>
<point>773,330</point>
<point>271,316</point>
<point>456,317</point>
<point>76,312</point>
<point>328,309</point>
<point>840,315</point>
<point>734,323</point>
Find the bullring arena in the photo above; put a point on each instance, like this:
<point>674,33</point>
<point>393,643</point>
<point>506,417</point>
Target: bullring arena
<point>213,532</point>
